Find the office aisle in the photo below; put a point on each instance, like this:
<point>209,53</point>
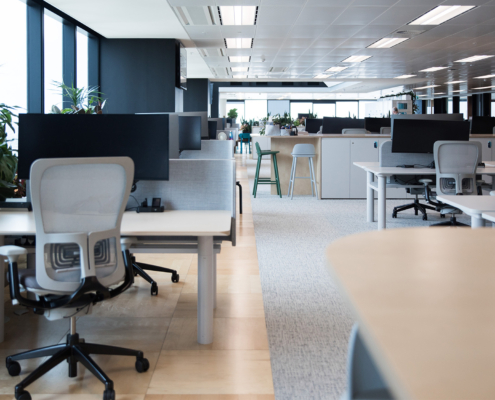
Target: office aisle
<point>235,367</point>
<point>308,323</point>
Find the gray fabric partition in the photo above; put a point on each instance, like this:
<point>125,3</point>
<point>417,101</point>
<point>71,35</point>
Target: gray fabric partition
<point>211,150</point>
<point>389,159</point>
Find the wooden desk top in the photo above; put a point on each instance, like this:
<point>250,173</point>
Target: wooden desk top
<point>424,299</point>
<point>168,223</point>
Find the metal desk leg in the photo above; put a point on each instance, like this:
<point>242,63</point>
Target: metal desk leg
<point>370,198</point>
<point>214,279</point>
<point>205,289</point>
<point>2,285</point>
<point>382,201</point>
<point>477,221</point>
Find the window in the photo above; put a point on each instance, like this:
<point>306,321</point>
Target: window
<point>347,109</point>
<point>450,107</point>
<point>53,61</point>
<point>366,111</point>
<point>463,107</point>
<point>255,109</point>
<point>13,59</point>
<point>493,108</point>
<point>324,110</point>
<point>240,110</point>
<point>278,107</point>
<point>82,59</point>
<point>300,108</point>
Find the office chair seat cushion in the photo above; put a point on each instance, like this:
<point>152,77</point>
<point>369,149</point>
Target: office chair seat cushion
<point>27,278</point>
<point>450,210</point>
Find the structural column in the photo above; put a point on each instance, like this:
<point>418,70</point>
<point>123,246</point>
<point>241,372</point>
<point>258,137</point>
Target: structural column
<point>440,106</point>
<point>197,97</point>
<point>456,105</point>
<point>35,60</point>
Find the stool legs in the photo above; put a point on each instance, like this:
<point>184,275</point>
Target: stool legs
<point>277,180</point>
<point>312,177</point>
<point>257,176</point>
<point>291,180</point>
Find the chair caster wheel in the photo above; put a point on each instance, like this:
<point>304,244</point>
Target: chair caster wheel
<point>425,218</point>
<point>142,365</point>
<point>154,289</point>
<point>442,215</point>
<point>23,396</point>
<point>109,394</point>
<point>175,277</point>
<point>14,368</point>
<point>394,215</point>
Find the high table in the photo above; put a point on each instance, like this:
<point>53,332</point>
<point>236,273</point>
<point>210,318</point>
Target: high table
<point>382,173</point>
<point>423,300</point>
<point>474,206</point>
<point>203,224</point>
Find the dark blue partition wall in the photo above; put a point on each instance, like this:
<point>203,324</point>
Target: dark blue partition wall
<point>197,96</point>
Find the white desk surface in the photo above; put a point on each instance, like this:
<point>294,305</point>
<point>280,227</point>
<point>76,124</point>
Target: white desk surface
<point>470,204</point>
<point>168,223</point>
<point>389,171</point>
<point>426,314</point>
<point>489,216</point>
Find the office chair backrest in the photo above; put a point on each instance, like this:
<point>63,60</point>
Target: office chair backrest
<point>353,131</point>
<point>78,205</point>
<point>456,163</point>
<point>385,130</point>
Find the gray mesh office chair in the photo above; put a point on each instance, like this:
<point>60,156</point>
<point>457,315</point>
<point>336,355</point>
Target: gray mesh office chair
<point>78,206</point>
<point>455,164</point>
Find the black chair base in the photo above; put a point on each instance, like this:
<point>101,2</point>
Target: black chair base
<point>140,268</point>
<point>240,196</point>
<point>417,206</point>
<point>74,351</point>
<point>452,222</point>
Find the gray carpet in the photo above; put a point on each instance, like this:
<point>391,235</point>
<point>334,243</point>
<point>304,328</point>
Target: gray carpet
<point>308,323</point>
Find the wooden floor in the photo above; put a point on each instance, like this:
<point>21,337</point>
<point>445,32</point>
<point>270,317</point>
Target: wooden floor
<point>236,366</point>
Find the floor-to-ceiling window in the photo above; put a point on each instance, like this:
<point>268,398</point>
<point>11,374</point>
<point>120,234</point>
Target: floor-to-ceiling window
<point>362,109</point>
<point>82,59</point>
<point>300,108</point>
<point>255,109</point>
<point>13,58</point>
<point>324,109</point>
<point>239,107</point>
<point>53,60</point>
<point>347,109</point>
<point>463,107</point>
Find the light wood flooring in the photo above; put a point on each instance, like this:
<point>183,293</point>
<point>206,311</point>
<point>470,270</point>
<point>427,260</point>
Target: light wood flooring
<point>236,366</point>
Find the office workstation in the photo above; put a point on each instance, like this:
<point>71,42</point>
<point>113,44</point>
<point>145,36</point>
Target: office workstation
<point>249,200</point>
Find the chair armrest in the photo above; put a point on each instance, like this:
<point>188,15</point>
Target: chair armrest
<point>12,252</point>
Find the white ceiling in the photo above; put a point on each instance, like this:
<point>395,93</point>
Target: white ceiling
<point>306,37</point>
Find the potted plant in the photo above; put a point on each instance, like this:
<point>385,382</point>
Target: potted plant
<point>233,114</point>
<point>10,186</point>
<point>83,101</point>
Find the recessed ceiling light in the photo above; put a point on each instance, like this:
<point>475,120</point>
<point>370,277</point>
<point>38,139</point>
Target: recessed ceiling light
<point>485,77</point>
<point>336,69</point>
<point>457,91</point>
<point>404,76</point>
<point>356,59</point>
<point>433,69</point>
<point>473,59</point>
<point>238,43</point>
<point>387,43</point>
<point>440,14</point>
<point>427,87</point>
<point>454,82</point>
<point>321,76</point>
<point>240,76</point>
<point>422,95</point>
<point>239,58</point>
<point>438,93</point>
<point>239,69</point>
<point>238,15</point>
<point>484,87</point>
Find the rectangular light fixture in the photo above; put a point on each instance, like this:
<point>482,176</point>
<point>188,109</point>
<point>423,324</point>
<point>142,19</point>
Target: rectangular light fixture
<point>473,59</point>
<point>484,87</point>
<point>404,76</point>
<point>485,77</point>
<point>440,14</point>
<point>239,69</point>
<point>457,91</point>
<point>356,59</point>
<point>239,76</point>
<point>427,87</point>
<point>436,94</point>
<point>238,43</point>
<point>336,69</point>
<point>433,69</point>
<point>239,58</point>
<point>454,82</point>
<point>422,95</point>
<point>238,15</point>
<point>321,76</point>
<point>387,43</point>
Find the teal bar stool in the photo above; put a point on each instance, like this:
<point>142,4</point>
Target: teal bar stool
<point>245,138</point>
<point>266,181</point>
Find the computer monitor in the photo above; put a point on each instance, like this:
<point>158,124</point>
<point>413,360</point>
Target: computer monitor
<point>375,124</point>
<point>419,136</point>
<point>229,121</point>
<point>189,133</point>
<point>144,138</point>
<point>482,125</point>
<point>220,123</point>
<point>313,125</point>
<point>335,125</point>
<point>299,116</point>
<point>212,129</point>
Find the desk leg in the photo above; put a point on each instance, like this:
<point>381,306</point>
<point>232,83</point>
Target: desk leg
<point>382,202</point>
<point>205,289</point>
<point>477,221</point>
<point>2,286</point>
<point>370,198</point>
<point>214,279</point>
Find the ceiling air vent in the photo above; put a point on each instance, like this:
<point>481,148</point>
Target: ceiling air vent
<point>313,83</point>
<point>261,83</point>
<point>221,72</point>
<point>287,83</point>
<point>196,15</point>
<point>407,33</point>
<point>275,70</point>
<point>211,52</point>
<point>235,83</point>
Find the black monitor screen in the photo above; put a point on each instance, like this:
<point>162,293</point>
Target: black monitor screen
<point>212,129</point>
<point>482,125</point>
<point>419,136</point>
<point>314,125</point>
<point>228,121</point>
<point>144,138</point>
<point>189,133</point>
<point>374,124</point>
<point>335,125</point>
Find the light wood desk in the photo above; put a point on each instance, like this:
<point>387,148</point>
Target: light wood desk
<point>203,224</point>
<point>424,301</point>
<point>473,206</point>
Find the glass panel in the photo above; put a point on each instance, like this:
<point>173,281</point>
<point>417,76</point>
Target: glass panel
<point>300,108</point>
<point>13,59</point>
<point>362,109</point>
<point>463,108</point>
<point>450,109</point>
<point>255,109</point>
<point>347,109</point>
<point>53,62</point>
<point>240,110</point>
<point>493,108</point>
<point>278,107</point>
<point>324,110</point>
<point>82,59</point>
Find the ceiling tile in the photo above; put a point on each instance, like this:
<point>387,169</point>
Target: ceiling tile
<point>298,43</point>
<point>307,31</point>
<point>328,43</point>
<point>244,31</point>
<point>271,15</point>
<point>272,31</point>
<point>359,15</point>
<point>319,15</point>
<point>401,15</point>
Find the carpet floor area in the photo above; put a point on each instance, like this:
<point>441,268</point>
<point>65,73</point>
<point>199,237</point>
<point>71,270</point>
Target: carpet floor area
<point>307,320</point>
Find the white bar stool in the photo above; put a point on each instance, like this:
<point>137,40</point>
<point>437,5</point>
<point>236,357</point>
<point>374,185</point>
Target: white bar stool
<point>302,150</point>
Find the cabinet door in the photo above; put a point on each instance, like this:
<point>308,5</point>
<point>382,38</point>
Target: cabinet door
<point>364,150</point>
<point>335,168</point>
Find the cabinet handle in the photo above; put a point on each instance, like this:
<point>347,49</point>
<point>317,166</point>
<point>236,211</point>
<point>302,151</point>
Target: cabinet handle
<point>490,145</point>
<point>375,145</point>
